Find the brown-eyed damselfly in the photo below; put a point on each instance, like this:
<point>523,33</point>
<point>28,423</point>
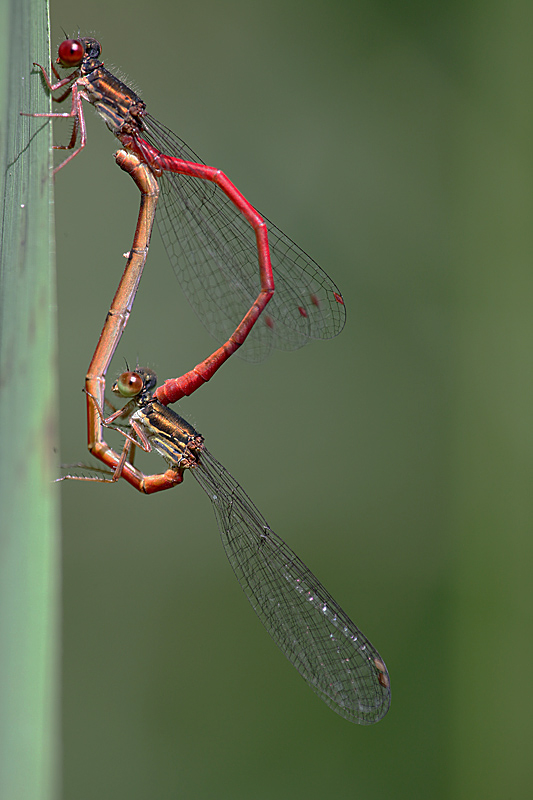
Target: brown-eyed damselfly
<point>338,662</point>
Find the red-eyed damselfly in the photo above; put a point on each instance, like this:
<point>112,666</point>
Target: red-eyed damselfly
<point>214,237</point>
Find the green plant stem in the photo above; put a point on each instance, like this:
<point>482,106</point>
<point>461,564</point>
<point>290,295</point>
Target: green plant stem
<point>29,564</point>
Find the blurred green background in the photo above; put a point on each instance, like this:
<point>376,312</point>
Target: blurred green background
<point>392,141</point>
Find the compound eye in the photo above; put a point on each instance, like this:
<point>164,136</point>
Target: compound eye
<point>129,384</point>
<point>70,53</point>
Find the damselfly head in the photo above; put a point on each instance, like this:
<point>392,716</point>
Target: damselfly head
<point>71,52</point>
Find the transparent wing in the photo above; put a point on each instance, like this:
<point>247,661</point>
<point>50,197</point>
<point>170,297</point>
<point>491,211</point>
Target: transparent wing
<point>213,251</point>
<point>319,639</point>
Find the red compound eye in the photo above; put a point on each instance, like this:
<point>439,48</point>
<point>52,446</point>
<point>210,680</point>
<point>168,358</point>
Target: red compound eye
<point>70,53</point>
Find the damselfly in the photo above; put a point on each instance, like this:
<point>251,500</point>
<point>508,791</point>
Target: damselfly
<point>319,639</point>
<point>214,237</point>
